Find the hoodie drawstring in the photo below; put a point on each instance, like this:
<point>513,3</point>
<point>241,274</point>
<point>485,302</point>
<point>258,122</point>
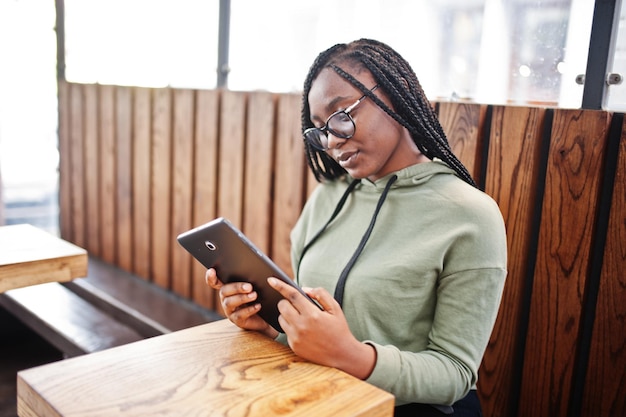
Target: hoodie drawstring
<point>339,289</point>
<point>344,274</point>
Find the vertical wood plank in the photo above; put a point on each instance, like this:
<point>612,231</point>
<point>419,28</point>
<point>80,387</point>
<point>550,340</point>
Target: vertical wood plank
<point>142,113</point>
<point>160,184</point>
<point>205,182</point>
<point>232,156</point>
<point>568,215</point>
<point>513,173</point>
<point>77,165</point>
<point>605,385</point>
<point>124,189</point>
<point>291,178</point>
<point>462,124</point>
<point>65,157</point>
<point>92,167</point>
<point>258,186</point>
<point>108,226</point>
<point>182,187</point>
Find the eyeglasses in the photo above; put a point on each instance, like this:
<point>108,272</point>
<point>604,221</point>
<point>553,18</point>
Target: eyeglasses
<point>340,124</point>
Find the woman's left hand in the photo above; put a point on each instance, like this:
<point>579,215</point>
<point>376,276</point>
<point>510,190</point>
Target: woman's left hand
<point>320,336</point>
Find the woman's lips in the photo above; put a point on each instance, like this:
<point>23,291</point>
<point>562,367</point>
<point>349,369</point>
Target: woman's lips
<point>347,159</point>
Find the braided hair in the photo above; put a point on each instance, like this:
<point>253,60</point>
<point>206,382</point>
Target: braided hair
<point>395,76</point>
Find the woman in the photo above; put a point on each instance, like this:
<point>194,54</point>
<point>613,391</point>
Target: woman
<point>405,255</point>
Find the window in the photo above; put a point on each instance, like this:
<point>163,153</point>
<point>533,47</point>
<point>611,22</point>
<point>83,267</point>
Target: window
<point>152,43</point>
<point>489,51</point>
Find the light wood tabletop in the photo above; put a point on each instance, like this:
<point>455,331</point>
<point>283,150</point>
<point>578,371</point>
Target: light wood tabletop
<point>29,256</point>
<point>214,369</point>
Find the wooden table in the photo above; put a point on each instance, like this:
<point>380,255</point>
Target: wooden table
<point>214,369</point>
<point>30,256</point>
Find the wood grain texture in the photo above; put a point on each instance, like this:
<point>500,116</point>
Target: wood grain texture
<point>160,184</point>
<point>462,123</point>
<point>107,173</point>
<point>290,181</point>
<point>141,196</point>
<point>92,170</point>
<point>76,133</point>
<point>67,321</point>
<point>182,187</point>
<point>215,369</point>
<point>605,387</point>
<point>205,182</point>
<point>259,171</point>
<point>232,157</point>
<point>124,175</point>
<point>229,175</point>
<point>513,171</point>
<point>30,256</point>
<point>65,157</point>
<point>577,146</point>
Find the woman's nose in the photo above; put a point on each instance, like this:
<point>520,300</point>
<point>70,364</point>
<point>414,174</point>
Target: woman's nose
<point>334,142</point>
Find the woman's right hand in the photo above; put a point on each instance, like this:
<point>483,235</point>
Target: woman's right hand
<point>238,302</point>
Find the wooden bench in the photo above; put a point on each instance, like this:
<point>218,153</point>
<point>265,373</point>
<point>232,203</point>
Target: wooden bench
<point>109,308</point>
<point>139,166</point>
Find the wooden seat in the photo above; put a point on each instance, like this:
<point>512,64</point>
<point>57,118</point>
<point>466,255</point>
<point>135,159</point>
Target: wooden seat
<point>65,320</point>
<point>109,308</point>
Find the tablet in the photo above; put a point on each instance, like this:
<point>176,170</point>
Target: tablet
<point>220,245</point>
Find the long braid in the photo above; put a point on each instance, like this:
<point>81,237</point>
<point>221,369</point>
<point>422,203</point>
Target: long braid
<point>396,77</point>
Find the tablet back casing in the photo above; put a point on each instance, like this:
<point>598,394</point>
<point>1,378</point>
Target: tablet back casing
<point>218,244</point>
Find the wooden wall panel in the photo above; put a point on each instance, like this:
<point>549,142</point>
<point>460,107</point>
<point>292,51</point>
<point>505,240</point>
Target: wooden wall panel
<point>231,156</point>
<point>568,217</point>
<point>65,153</point>
<point>605,387</point>
<point>182,187</point>
<point>462,123</point>
<point>77,166</point>
<point>290,182</point>
<point>513,172</point>
<point>258,190</point>
<point>108,175</point>
<point>141,161</point>
<point>160,184</point>
<point>92,170</point>
<point>166,160</point>
<point>124,183</point>
<point>205,182</point>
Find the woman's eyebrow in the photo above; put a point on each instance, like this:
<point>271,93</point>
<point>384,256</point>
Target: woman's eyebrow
<point>333,103</point>
<point>330,107</point>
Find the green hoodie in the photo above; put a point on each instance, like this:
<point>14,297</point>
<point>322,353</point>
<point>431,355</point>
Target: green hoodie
<point>426,288</point>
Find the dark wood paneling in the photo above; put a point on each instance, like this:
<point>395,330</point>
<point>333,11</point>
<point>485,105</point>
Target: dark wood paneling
<point>605,387</point>
<point>463,125</point>
<point>513,171</point>
<point>138,166</point>
<point>568,216</point>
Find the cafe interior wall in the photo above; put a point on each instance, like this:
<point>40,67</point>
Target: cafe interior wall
<point>490,51</point>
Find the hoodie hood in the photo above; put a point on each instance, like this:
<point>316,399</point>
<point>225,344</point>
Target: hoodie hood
<point>409,176</point>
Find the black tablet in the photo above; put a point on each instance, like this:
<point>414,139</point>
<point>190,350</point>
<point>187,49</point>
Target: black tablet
<point>220,245</point>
